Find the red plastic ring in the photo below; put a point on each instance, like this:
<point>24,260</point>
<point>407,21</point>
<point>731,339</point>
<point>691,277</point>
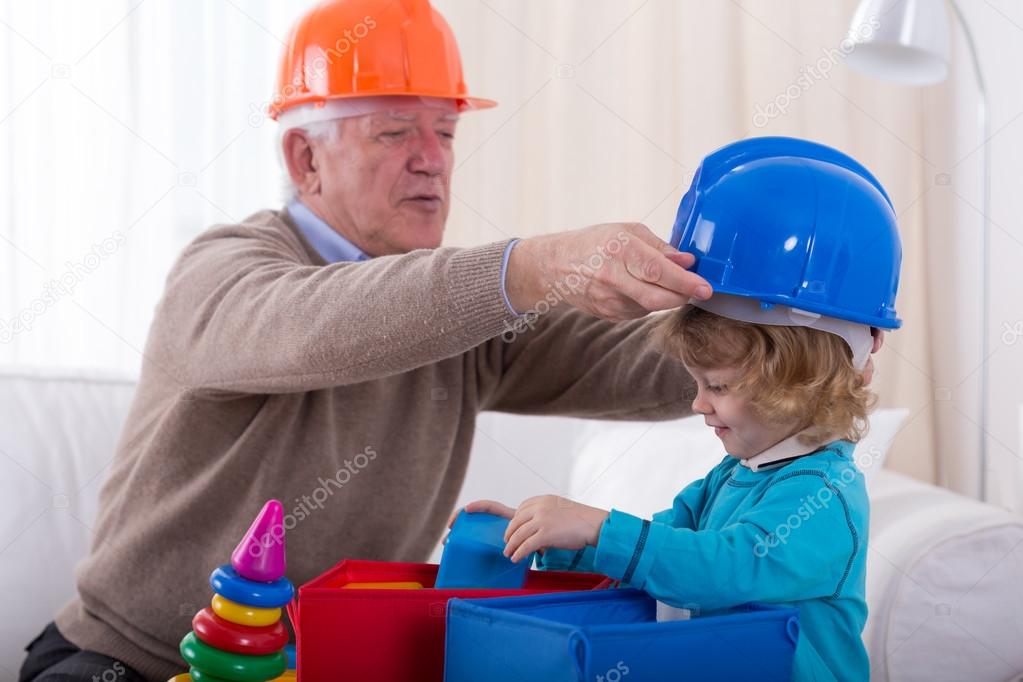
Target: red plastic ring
<point>240,639</point>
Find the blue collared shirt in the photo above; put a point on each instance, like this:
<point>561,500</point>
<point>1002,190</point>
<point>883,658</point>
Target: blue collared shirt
<point>327,241</point>
<point>334,248</point>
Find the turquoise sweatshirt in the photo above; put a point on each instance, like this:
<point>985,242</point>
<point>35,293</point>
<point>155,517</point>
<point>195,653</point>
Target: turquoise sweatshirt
<point>795,535</point>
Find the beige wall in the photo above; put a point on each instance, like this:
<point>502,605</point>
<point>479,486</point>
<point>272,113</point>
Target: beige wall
<point>607,111</point>
<point>607,107</point>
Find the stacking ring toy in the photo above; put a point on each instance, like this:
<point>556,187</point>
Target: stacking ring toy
<point>242,614</point>
<point>222,634</point>
<point>196,675</point>
<point>229,666</point>
<point>226,581</point>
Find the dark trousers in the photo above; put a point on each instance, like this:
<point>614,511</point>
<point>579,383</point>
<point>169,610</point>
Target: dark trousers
<point>51,658</point>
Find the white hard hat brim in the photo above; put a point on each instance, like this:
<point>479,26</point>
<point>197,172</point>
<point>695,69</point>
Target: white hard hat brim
<point>349,107</point>
<point>856,335</point>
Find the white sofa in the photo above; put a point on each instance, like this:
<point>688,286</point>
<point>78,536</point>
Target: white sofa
<point>945,574</point>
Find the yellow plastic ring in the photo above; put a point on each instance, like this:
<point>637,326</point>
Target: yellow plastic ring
<point>242,614</point>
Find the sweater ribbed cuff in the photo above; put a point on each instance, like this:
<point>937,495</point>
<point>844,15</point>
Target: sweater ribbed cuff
<point>556,559</point>
<point>504,276</point>
<point>627,547</point>
<point>475,289</point>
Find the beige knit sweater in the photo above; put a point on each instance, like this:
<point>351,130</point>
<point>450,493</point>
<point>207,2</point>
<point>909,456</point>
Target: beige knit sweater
<point>349,391</point>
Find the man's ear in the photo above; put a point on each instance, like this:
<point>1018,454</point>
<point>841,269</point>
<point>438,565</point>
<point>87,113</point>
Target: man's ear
<point>301,160</point>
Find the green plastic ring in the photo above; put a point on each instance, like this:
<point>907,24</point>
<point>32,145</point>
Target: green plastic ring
<point>231,666</point>
<point>199,676</point>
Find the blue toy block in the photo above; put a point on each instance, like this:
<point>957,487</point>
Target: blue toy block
<point>473,555</point>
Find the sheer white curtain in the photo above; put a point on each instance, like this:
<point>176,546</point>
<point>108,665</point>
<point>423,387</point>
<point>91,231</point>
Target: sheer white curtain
<point>127,128</point>
<point>139,123</point>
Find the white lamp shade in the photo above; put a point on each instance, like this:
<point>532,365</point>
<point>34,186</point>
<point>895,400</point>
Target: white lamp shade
<point>905,41</point>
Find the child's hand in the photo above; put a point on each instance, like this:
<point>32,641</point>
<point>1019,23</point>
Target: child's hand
<point>548,521</point>
<point>489,506</point>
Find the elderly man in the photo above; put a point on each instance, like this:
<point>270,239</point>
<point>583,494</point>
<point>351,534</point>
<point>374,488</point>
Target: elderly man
<point>331,355</point>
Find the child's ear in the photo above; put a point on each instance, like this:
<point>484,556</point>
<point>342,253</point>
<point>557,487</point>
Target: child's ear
<point>868,371</point>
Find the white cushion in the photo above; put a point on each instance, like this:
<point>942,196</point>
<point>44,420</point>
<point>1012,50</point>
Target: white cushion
<point>639,467</point>
<point>944,578</point>
<point>57,438</point>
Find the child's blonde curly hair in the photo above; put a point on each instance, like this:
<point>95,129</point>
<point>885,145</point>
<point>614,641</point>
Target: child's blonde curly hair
<point>789,373</point>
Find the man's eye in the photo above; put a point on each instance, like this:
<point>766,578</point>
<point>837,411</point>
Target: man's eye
<point>446,135</point>
<point>392,134</point>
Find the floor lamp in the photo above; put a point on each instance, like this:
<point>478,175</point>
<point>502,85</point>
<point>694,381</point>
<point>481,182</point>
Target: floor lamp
<point>907,42</point>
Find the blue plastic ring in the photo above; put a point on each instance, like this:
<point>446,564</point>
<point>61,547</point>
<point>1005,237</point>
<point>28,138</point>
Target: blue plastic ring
<point>226,582</point>
<point>289,651</point>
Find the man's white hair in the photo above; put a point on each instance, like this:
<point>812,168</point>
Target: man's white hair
<point>329,131</point>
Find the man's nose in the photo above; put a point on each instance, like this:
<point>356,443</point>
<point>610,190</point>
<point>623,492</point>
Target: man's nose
<point>427,154</point>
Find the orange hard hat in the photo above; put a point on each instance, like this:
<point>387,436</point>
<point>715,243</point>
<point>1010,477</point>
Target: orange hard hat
<point>368,48</point>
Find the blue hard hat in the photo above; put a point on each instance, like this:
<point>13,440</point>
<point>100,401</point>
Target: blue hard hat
<point>793,222</point>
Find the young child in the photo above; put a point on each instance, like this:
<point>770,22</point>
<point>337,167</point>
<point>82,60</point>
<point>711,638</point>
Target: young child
<point>801,245</point>
<point>782,519</point>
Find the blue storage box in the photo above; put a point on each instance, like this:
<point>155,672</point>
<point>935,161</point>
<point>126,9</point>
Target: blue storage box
<point>473,555</point>
<point>613,635</point>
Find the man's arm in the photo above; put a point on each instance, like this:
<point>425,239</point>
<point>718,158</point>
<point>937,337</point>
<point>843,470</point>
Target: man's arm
<point>614,271</point>
<point>577,365</point>
<point>581,347</point>
<point>243,312</point>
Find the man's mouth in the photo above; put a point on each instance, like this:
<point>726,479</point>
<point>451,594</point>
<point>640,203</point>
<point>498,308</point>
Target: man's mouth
<point>429,202</point>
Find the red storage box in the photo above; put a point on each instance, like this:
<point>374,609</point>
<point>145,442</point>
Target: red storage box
<point>389,635</point>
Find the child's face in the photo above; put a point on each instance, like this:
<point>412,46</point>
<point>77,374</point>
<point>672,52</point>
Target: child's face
<point>729,412</point>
